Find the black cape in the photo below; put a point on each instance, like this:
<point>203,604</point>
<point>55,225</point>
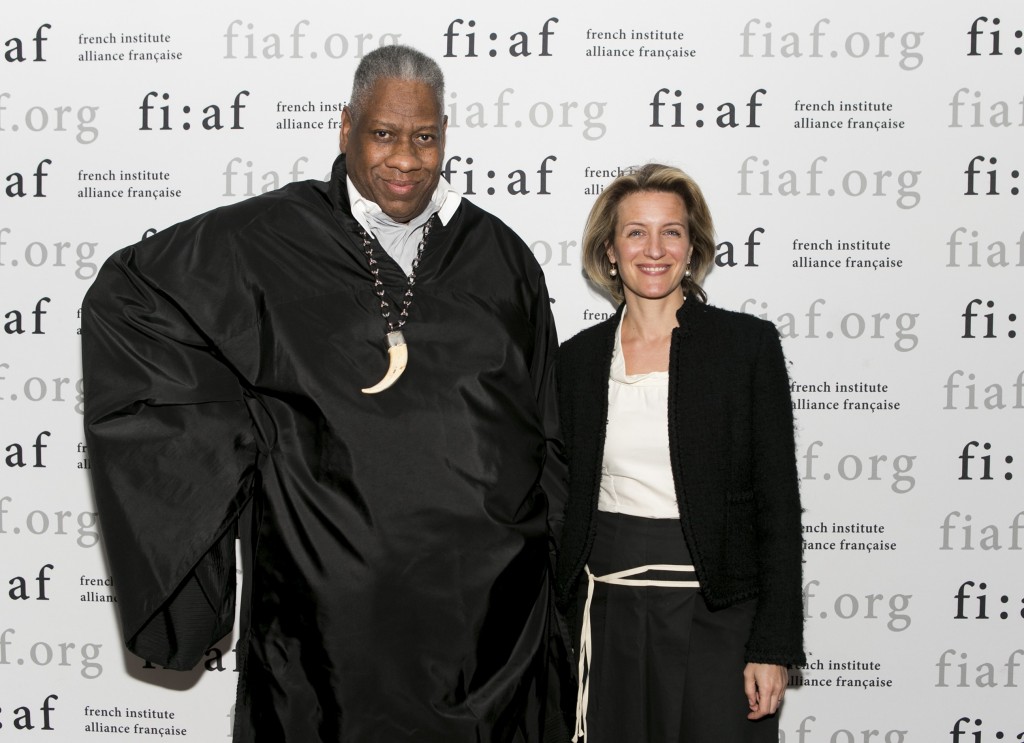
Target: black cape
<point>395,546</point>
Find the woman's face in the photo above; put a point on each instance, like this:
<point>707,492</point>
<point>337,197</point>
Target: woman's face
<point>651,245</point>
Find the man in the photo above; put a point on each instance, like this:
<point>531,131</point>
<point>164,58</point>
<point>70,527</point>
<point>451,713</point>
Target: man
<point>394,535</point>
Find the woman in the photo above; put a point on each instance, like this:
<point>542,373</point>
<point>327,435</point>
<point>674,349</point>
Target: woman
<point>681,551</point>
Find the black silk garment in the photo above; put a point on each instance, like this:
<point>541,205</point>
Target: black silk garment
<point>395,545</point>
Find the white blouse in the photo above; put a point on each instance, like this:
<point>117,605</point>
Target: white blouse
<point>636,473</point>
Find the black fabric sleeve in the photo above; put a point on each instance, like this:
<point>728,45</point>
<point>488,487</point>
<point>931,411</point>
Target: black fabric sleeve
<point>777,633</point>
<point>173,455</point>
<point>555,477</point>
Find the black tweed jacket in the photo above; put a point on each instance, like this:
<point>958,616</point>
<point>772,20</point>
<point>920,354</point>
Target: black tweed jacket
<point>733,463</point>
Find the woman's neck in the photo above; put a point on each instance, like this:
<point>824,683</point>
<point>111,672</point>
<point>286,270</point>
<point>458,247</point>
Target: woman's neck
<point>651,320</point>
<point>646,334</point>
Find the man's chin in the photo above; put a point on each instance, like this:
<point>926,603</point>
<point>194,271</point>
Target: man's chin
<point>403,211</point>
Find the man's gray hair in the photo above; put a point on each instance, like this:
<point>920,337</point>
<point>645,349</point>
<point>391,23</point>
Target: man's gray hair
<point>397,62</point>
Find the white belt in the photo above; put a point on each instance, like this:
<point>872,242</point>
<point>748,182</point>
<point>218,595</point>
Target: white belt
<point>621,578</point>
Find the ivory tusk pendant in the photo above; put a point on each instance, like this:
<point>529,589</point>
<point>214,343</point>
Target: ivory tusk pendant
<point>398,357</point>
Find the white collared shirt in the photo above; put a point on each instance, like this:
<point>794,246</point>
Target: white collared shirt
<point>399,240</point>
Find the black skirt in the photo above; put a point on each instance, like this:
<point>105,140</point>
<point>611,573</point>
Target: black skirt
<point>664,667</point>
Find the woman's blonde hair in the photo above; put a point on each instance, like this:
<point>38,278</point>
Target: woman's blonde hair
<point>599,232</point>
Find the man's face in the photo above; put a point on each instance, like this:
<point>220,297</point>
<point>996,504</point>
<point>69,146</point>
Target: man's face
<point>394,146</point>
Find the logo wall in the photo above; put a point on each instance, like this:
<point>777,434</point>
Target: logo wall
<point>863,168</point>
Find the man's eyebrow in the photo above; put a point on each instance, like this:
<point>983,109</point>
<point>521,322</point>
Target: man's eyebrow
<point>387,124</point>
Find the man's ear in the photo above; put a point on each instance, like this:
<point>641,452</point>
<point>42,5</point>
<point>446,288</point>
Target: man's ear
<point>346,125</point>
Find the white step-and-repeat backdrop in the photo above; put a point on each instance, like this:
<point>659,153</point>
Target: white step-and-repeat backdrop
<point>863,163</point>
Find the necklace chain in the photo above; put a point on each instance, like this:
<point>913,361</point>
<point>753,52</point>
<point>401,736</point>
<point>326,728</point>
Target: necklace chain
<point>378,285</point>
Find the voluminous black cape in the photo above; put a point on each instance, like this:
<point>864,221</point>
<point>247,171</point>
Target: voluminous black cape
<point>395,546</point>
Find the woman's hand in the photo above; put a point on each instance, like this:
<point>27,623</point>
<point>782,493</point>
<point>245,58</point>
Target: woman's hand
<point>764,685</point>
